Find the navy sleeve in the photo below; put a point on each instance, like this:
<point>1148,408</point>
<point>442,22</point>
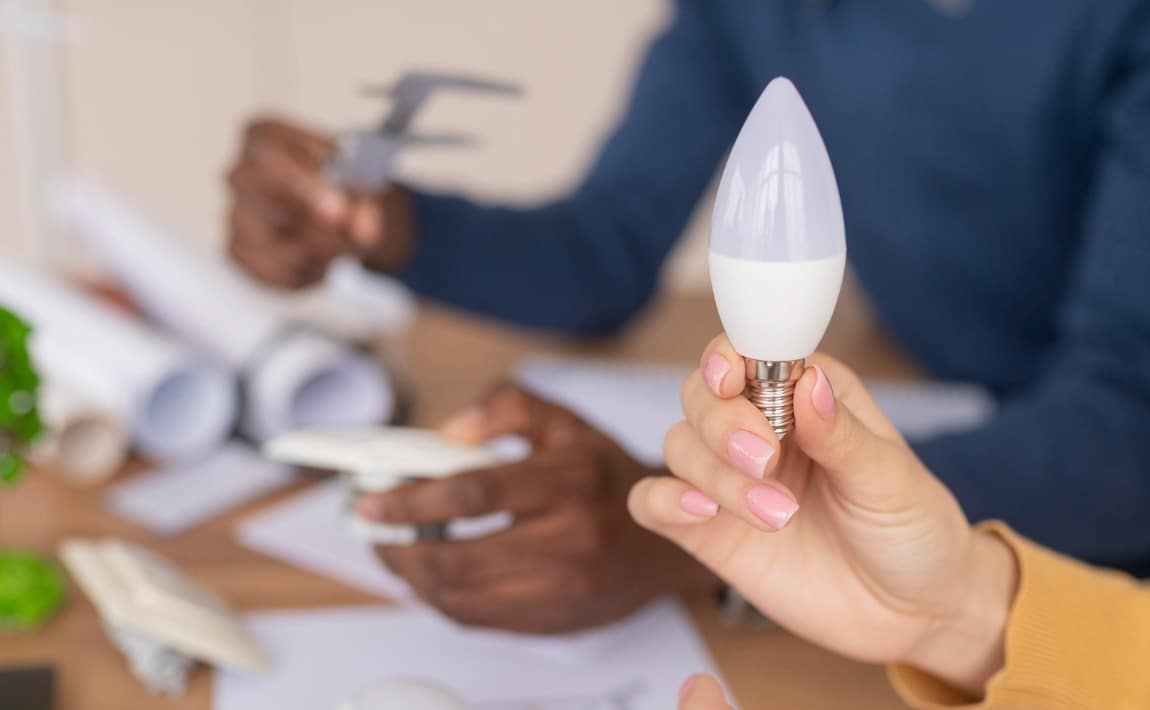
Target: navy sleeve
<point>587,263</point>
<point>1068,463</point>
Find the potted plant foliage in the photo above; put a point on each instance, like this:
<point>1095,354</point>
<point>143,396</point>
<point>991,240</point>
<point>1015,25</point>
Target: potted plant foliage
<point>31,587</point>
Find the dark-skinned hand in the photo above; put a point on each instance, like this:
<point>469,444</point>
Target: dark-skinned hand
<point>573,558</point>
<point>288,222</point>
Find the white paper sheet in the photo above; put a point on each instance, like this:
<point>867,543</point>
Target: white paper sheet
<point>171,500</point>
<point>923,410</point>
<point>309,531</point>
<point>634,403</point>
<point>323,658</point>
<point>176,402</point>
<point>187,293</point>
<point>293,378</point>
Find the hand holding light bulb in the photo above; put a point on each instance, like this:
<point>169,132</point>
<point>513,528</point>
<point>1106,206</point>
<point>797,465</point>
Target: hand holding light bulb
<point>880,565</point>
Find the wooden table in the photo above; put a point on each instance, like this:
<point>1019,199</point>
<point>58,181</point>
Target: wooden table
<point>767,669</point>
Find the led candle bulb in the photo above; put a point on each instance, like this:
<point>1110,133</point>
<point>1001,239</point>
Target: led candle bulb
<point>778,247</point>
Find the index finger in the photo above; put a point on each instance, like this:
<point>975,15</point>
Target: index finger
<point>522,487</point>
<point>306,145</point>
<point>271,172</point>
<point>724,370</point>
<point>510,409</point>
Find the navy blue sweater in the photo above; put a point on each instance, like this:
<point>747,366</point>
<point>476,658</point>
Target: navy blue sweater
<point>995,176</point>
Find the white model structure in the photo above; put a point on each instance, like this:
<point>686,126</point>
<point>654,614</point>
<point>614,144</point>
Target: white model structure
<point>366,160</point>
<point>161,620</point>
<point>375,460</point>
<point>777,248</point>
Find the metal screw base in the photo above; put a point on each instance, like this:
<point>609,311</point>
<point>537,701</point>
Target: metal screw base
<point>771,388</point>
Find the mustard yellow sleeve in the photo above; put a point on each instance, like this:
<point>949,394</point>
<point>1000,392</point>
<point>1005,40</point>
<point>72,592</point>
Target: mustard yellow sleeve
<point>1078,637</point>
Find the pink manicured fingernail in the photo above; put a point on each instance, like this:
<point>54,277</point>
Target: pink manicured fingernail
<point>822,395</point>
<point>715,369</point>
<point>686,688</point>
<point>330,203</point>
<point>771,505</point>
<point>749,453</point>
<point>697,503</point>
<point>370,508</point>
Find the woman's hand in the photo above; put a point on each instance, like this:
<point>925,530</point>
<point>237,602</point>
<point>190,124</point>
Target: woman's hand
<point>879,564</point>
<point>574,557</point>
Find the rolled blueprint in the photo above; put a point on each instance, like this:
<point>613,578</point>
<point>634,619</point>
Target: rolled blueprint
<point>176,403</point>
<point>292,377</point>
<point>84,442</point>
<point>354,303</point>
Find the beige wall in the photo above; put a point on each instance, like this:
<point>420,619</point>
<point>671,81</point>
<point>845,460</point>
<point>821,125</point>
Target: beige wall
<point>155,90</point>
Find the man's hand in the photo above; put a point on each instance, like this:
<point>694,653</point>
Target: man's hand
<point>288,222</point>
<point>573,559</point>
<point>702,692</point>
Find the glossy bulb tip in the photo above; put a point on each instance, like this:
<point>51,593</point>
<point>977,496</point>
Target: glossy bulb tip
<point>778,199</point>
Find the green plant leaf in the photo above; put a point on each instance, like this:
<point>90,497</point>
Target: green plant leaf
<point>31,589</point>
<point>10,468</point>
<point>20,422</point>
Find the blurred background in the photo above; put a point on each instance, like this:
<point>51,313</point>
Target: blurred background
<point>158,424</point>
<point>149,97</point>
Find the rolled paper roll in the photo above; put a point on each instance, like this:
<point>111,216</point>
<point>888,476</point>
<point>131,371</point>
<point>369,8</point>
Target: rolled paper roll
<point>379,304</point>
<point>292,378</point>
<point>308,381</point>
<point>83,442</point>
<point>178,403</point>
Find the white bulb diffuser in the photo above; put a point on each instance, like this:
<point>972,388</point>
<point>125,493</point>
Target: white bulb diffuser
<point>778,247</point>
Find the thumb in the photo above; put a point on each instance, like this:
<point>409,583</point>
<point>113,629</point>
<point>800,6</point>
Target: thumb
<point>329,206</point>
<point>365,223</point>
<point>869,469</point>
<point>510,409</point>
<point>702,692</point>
